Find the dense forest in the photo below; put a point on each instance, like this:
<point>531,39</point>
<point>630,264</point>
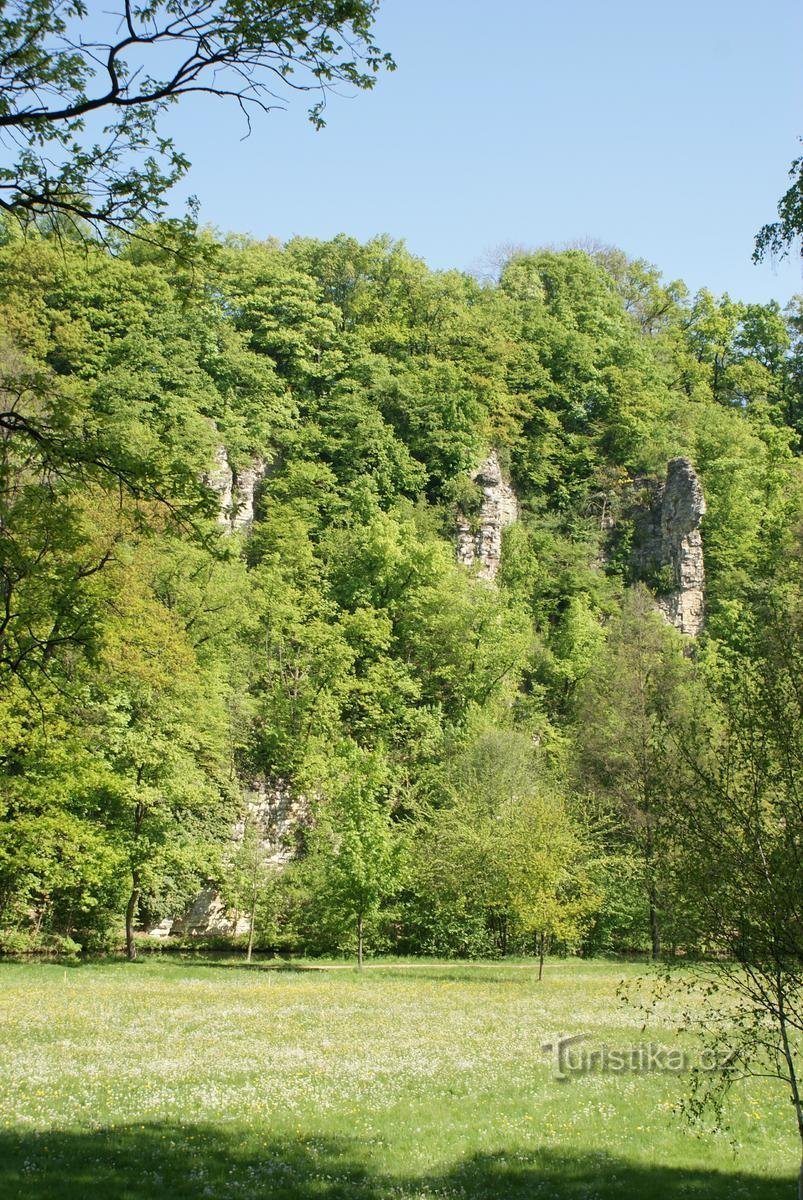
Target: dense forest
<point>474,766</point>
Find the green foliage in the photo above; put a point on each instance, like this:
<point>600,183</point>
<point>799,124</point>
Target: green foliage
<point>778,237</point>
<point>465,496</point>
<point>350,850</point>
<point>736,873</point>
<point>587,386</point>
<point>622,751</point>
<point>621,922</point>
<point>152,666</point>
<point>503,846</point>
<point>65,71</point>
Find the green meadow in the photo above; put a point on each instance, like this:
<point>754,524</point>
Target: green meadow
<point>212,1080</point>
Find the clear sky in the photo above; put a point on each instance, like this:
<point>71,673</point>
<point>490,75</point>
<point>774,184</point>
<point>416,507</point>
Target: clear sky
<point>664,128</point>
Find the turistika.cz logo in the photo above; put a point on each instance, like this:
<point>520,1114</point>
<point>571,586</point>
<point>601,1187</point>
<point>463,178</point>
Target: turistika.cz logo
<point>569,1059</point>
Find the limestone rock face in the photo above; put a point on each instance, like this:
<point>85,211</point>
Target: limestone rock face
<point>246,483</point>
<point>220,479</point>
<point>479,543</point>
<point>236,490</point>
<point>682,510</point>
<point>162,929</point>
<point>278,812</point>
<point>206,916</point>
<point>668,546</point>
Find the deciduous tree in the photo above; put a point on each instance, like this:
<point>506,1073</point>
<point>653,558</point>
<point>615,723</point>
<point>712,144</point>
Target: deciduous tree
<point>82,89</point>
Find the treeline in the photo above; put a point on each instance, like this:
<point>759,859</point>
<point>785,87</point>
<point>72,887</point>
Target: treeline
<point>484,769</point>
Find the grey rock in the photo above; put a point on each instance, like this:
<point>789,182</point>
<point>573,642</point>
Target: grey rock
<point>278,813</point>
<point>667,518</point>
<point>682,510</point>
<point>246,485</point>
<point>236,490</point>
<point>479,544</point>
<point>162,929</point>
<point>220,479</point>
<point>206,916</point>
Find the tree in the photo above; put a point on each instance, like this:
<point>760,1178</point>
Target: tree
<point>351,844</point>
<point>621,745</point>
<point>504,840</point>
<point>250,878</point>
<point>158,721</point>
<point>100,434</point>
<point>738,866</point>
<point>62,876</point>
<point>711,329</point>
<point>547,857</point>
<point>778,237</point>
<point>586,384</point>
<point>81,91</point>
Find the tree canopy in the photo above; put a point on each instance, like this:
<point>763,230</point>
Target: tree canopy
<point>82,88</point>
<point>162,655</point>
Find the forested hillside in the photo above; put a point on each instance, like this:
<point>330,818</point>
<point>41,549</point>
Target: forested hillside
<point>475,766</point>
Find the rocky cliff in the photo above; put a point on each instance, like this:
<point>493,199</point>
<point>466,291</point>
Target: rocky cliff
<point>236,490</point>
<point>668,544</point>
<point>278,814</point>
<point>479,540</point>
<point>664,516</point>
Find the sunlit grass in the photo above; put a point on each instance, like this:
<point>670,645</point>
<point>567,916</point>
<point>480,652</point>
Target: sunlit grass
<point>183,1079</point>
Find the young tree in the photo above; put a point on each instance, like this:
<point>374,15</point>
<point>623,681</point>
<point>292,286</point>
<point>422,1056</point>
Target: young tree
<point>250,864</point>
<point>250,880</point>
<point>504,839</point>
<point>547,854</point>
<point>352,845</point>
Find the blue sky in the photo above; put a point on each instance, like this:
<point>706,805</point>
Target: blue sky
<point>666,129</point>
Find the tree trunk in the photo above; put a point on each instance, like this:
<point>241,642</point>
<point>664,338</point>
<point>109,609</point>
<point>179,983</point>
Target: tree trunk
<point>794,1086</point>
<point>133,899</point>
<point>40,916</point>
<point>655,932</point>
<point>541,955</point>
<point>130,912</point>
<point>251,920</point>
<point>652,894</point>
<point>253,913</point>
<point>359,941</point>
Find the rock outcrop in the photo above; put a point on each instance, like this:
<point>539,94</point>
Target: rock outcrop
<point>236,490</point>
<point>220,479</point>
<point>682,511</point>
<point>278,813</point>
<point>206,917</point>
<point>479,541</point>
<point>246,485</point>
<point>668,545</point>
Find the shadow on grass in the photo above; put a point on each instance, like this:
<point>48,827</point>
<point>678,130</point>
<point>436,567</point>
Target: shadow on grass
<point>437,971</point>
<point>422,971</point>
<point>179,1162</point>
<point>484,973</point>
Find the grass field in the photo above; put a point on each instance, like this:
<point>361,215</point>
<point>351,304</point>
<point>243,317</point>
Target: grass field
<point>181,1079</point>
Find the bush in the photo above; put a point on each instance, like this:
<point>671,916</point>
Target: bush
<point>18,942</point>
